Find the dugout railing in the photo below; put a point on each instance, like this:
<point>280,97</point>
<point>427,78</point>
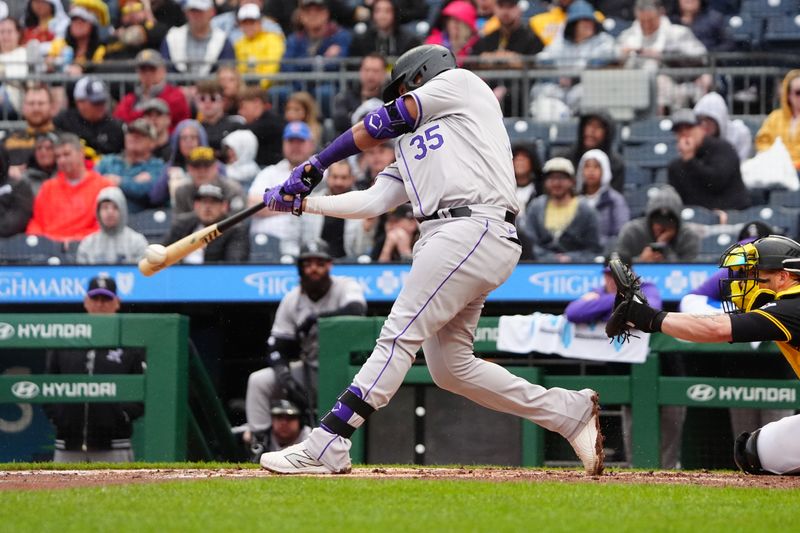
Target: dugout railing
<point>345,340</point>
<point>163,387</point>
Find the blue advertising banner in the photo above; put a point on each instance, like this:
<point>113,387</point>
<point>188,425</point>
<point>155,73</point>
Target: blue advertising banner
<point>269,283</point>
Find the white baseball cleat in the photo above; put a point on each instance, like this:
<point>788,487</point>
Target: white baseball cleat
<point>296,460</point>
<point>589,442</point>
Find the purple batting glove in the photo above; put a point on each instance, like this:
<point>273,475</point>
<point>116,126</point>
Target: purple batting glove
<point>277,199</point>
<point>303,180</point>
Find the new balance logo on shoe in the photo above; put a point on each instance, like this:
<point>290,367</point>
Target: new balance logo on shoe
<point>302,459</point>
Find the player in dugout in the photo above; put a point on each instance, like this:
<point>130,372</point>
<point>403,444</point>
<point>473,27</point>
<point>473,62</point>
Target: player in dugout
<point>761,302</point>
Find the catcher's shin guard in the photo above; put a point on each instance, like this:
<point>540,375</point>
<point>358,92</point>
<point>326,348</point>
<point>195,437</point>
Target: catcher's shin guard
<point>745,453</point>
<point>338,420</point>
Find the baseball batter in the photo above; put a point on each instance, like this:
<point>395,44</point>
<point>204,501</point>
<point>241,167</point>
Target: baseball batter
<point>454,165</point>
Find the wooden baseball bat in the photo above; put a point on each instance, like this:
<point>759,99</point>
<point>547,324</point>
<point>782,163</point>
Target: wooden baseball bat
<point>200,238</point>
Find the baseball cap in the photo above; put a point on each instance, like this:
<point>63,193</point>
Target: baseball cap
<point>92,89</point>
<point>285,408</point>
<point>753,230</point>
<point>154,104</point>
<point>198,4</point>
<point>249,12</point>
<point>559,164</point>
<point>201,156</point>
<point>141,126</point>
<point>209,190</point>
<point>80,12</point>
<point>683,117</point>
<point>297,130</point>
<point>149,58</point>
<point>132,6</point>
<point>304,3</point>
<point>102,286</point>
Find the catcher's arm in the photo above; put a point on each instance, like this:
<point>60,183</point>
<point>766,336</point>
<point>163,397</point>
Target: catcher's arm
<point>698,328</point>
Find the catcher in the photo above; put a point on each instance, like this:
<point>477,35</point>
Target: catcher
<point>761,299</point>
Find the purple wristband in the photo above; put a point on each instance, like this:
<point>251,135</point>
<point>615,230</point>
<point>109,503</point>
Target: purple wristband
<point>342,147</point>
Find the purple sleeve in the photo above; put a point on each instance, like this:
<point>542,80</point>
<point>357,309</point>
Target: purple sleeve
<point>585,311</point>
<point>342,147</point>
<point>652,294</point>
<point>710,287</point>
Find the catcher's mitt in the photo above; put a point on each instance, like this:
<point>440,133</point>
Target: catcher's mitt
<point>631,309</point>
<point>629,290</point>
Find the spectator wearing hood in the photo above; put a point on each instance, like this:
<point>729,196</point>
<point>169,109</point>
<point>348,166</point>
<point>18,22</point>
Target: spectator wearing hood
<point>384,35</point>
<point>784,122</point>
<point>457,30</point>
<point>548,25</point>
<point>706,171</point>
<point>114,242</point>
<point>239,150</point>
<point>558,226</point>
<point>188,135</point>
<point>255,109</point>
<point>44,21</point>
<point>582,42</point>
<point>594,184</point>
<point>596,129</point>
<point>16,201</point>
<point>659,236</point>
<point>134,170</point>
<point>712,112</point>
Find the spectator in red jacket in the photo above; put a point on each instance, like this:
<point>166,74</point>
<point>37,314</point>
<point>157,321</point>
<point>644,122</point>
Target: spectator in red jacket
<point>152,71</point>
<point>64,209</point>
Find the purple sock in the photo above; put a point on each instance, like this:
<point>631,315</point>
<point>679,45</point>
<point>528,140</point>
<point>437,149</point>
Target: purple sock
<point>342,147</point>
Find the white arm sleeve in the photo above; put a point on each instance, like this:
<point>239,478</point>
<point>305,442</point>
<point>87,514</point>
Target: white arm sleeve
<point>385,194</point>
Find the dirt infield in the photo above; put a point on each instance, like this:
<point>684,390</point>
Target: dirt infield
<point>60,479</point>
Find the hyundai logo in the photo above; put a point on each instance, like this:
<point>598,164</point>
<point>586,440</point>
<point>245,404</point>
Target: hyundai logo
<point>25,390</point>
<point>6,331</point>
<point>701,392</point>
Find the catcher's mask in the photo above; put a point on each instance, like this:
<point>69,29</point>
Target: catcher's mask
<point>740,291</point>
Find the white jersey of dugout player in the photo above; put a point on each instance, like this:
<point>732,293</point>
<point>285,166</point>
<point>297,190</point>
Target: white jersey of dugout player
<point>460,123</point>
<point>296,306</point>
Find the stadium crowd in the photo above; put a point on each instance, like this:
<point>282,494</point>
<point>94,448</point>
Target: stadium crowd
<point>101,167</point>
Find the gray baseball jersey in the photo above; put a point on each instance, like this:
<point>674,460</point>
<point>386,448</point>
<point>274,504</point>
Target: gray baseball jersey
<point>458,155</point>
<point>296,306</point>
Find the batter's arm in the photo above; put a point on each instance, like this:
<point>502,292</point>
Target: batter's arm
<point>385,194</point>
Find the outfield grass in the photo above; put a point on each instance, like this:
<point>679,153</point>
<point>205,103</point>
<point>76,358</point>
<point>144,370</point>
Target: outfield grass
<point>384,505</point>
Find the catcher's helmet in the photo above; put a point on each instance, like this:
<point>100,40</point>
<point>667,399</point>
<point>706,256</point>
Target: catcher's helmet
<point>740,290</point>
<point>425,62</point>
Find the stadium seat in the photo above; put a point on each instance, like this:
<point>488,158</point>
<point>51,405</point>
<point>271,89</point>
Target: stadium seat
<point>152,223</point>
<point>650,155</point>
<point>530,8</point>
<point>712,246</point>
<point>563,133</point>
<point>624,93</point>
<point>265,248</point>
<point>782,32</point>
<point>637,200</point>
<point>753,122</point>
<point>699,215</point>
<point>785,198</point>
<point>637,177</point>
<point>768,8</point>
<point>30,249</point>
<point>746,31</point>
<point>784,220</point>
<point>649,130</point>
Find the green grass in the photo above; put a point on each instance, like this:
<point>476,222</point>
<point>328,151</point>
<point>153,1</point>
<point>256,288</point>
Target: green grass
<point>291,505</point>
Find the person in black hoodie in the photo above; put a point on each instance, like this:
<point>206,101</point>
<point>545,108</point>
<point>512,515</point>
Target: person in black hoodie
<point>596,130</point>
<point>98,431</point>
<point>254,108</point>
